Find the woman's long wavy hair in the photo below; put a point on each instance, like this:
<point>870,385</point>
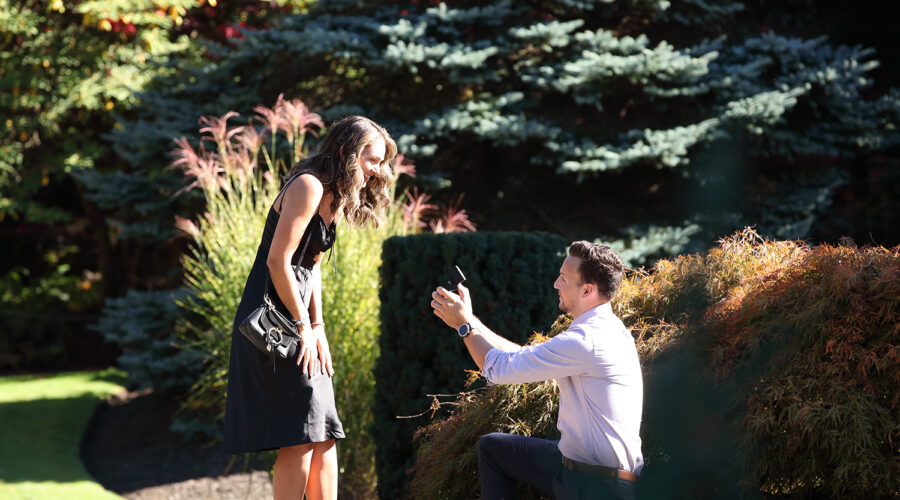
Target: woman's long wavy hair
<point>336,165</point>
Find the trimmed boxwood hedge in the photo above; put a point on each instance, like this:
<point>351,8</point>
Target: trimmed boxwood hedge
<point>510,276</point>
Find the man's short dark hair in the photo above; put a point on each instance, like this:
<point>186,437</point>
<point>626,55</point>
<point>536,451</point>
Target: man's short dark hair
<point>600,265</point>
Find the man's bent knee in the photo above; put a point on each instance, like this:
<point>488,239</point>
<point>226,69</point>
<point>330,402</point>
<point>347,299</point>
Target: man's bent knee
<point>488,443</point>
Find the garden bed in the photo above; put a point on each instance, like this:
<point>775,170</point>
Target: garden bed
<point>130,450</point>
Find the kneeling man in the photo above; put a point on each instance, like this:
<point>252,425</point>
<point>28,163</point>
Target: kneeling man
<point>595,364</point>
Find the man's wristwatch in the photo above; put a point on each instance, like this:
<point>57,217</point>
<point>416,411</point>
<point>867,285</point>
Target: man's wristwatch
<point>464,330</point>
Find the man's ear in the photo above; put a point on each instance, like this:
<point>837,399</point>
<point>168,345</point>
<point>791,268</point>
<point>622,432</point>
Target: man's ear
<point>588,288</point>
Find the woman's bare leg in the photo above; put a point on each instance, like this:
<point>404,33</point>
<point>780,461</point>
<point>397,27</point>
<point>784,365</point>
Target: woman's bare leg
<point>291,471</point>
<point>323,472</point>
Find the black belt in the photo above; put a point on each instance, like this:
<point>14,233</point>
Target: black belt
<point>599,470</point>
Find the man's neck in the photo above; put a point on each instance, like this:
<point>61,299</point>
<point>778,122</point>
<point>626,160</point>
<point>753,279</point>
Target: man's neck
<point>587,307</point>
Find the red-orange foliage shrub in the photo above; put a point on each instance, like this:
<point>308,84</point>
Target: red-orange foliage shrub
<point>771,368</point>
<point>823,328</point>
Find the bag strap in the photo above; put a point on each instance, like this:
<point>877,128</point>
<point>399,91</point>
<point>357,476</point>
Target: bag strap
<point>333,251</point>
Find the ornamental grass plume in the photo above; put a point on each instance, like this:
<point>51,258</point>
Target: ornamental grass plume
<point>419,214</point>
<point>199,167</point>
<point>272,123</point>
<point>416,208</point>
<point>217,128</point>
<point>296,121</point>
<point>771,369</point>
<point>452,220</point>
<point>402,166</point>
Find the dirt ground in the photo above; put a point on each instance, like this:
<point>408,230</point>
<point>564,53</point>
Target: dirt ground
<point>130,450</point>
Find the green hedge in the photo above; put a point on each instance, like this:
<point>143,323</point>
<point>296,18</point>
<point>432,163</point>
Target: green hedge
<point>510,276</point>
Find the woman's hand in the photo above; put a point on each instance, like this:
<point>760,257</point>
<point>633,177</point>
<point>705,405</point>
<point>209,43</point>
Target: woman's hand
<point>324,351</point>
<point>306,360</point>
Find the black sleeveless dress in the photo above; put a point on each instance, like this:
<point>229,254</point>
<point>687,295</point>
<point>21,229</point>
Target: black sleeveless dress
<point>270,407</point>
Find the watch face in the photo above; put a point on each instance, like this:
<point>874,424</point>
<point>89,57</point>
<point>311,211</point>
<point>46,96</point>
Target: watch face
<point>464,330</point>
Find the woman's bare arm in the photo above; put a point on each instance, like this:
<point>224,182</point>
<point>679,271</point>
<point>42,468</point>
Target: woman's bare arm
<point>299,205</point>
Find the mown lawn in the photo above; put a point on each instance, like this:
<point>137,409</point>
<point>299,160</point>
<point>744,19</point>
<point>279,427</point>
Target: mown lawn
<point>43,419</point>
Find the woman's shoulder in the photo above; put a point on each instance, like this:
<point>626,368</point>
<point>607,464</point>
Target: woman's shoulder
<point>305,183</point>
<point>301,192</point>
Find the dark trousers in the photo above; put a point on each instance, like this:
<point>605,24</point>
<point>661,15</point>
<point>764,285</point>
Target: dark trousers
<point>504,460</point>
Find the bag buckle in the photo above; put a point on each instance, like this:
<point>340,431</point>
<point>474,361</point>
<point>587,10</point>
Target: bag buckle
<point>273,337</point>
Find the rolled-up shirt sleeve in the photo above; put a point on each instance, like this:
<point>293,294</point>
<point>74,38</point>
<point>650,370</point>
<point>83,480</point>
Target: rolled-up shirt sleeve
<point>566,354</point>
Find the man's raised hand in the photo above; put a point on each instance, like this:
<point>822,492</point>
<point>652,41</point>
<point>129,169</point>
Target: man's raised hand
<point>452,309</point>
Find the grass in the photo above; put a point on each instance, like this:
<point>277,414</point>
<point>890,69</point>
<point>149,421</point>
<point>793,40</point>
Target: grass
<point>43,419</point>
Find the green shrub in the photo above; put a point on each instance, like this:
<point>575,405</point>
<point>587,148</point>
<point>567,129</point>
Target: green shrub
<point>142,324</point>
<point>59,96</point>
<point>770,370</point>
<point>510,276</point>
<point>69,68</point>
<point>41,310</point>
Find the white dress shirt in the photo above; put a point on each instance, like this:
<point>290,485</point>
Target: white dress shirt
<point>601,392</point>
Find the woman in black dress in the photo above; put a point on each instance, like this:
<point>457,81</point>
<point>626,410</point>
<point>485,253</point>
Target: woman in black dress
<point>289,404</point>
